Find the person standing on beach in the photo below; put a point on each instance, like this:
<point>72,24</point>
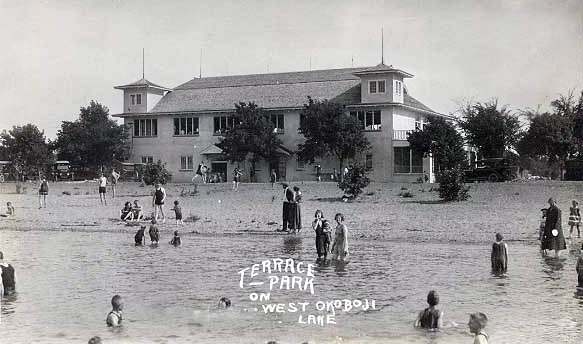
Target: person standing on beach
<point>114,179</point>
<point>499,256</point>
<point>43,191</point>
<point>553,238</point>
<point>340,246</point>
<point>158,202</point>
<point>574,219</point>
<point>102,188</point>
<point>237,173</point>
<point>273,177</point>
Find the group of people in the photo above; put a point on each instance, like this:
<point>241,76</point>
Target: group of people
<point>154,232</point>
<point>551,233</point>
<point>323,231</point>
<point>132,212</point>
<point>291,211</point>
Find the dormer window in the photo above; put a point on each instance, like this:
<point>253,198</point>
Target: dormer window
<point>376,86</point>
<point>136,99</point>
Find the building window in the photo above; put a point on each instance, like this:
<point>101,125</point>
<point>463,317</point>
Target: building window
<point>377,86</point>
<point>136,99</point>
<point>407,160</point>
<point>369,120</point>
<point>223,124</point>
<point>301,164</point>
<point>368,162</point>
<point>277,120</point>
<point>145,127</point>
<point>398,88</point>
<point>147,160</point>
<point>185,126</point>
<point>186,163</point>
<point>302,121</point>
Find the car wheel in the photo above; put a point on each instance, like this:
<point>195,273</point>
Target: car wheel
<point>493,178</point>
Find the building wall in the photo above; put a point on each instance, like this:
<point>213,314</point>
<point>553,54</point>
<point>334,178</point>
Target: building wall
<point>388,96</point>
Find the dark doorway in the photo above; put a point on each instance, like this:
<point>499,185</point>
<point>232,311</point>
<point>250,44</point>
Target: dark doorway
<point>279,166</point>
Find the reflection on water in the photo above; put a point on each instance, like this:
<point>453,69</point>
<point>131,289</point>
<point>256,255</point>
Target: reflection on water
<point>65,282</point>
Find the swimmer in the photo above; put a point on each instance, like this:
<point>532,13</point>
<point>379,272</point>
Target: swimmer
<point>95,340</point>
<point>7,280</point>
<point>139,237</point>
<point>154,232</point>
<point>176,241</point>
<point>499,256</point>
<point>477,323</point>
<point>114,317</point>
<point>431,318</point>
<point>224,303</point>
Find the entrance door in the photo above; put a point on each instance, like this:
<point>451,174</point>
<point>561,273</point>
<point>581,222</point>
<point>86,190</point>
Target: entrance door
<point>219,171</point>
<point>279,166</point>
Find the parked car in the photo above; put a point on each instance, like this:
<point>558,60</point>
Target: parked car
<point>492,170</point>
<point>62,170</point>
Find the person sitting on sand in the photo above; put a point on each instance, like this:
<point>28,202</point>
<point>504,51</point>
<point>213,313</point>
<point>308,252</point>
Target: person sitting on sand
<point>9,210</point>
<point>224,303</point>
<point>477,323</point>
<point>499,256</point>
<point>579,268</point>
<point>176,241</point>
<point>126,212</point>
<point>137,210</point>
<point>430,318</point>
<point>7,279</point>
<point>154,232</point>
<point>139,237</point>
<point>114,318</point>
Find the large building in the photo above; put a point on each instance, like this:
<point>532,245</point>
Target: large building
<point>182,126</point>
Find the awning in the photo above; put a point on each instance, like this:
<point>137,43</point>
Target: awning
<point>211,149</point>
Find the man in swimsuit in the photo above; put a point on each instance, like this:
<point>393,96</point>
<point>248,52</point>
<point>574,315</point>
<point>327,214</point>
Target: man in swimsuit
<point>158,202</point>
<point>102,188</point>
<point>114,179</point>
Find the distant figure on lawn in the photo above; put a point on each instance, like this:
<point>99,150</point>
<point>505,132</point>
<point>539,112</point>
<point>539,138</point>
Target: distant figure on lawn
<point>430,318</point>
<point>499,256</point>
<point>574,219</point>
<point>102,188</point>
<point>114,179</point>
<point>273,178</point>
<point>237,173</point>
<point>43,191</point>
<point>114,317</point>
<point>553,238</point>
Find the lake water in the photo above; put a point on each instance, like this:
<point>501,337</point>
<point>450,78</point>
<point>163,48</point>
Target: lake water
<point>65,282</point>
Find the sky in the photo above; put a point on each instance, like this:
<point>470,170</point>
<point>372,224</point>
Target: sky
<point>57,56</point>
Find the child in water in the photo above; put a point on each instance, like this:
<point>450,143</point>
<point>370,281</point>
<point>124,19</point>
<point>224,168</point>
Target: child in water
<point>178,211</point>
<point>224,303</point>
<point>574,218</point>
<point>430,318</point>
<point>114,317</point>
<point>176,241</point>
<point>541,227</point>
<point>139,237</point>
<point>477,324</point>
<point>154,232</point>
<point>499,256</point>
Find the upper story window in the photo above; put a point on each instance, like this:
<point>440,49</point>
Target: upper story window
<point>186,163</point>
<point>223,124</point>
<point>145,127</point>
<point>377,86</point>
<point>186,126</point>
<point>300,164</point>
<point>136,99</point>
<point>398,87</point>
<point>147,159</point>
<point>369,120</point>
<point>277,120</point>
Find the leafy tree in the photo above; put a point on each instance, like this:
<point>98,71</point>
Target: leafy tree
<point>156,173</point>
<point>491,130</point>
<point>354,181</point>
<point>329,131</point>
<point>441,140</point>
<point>27,149</point>
<point>252,136</point>
<point>451,186</point>
<point>93,140</point>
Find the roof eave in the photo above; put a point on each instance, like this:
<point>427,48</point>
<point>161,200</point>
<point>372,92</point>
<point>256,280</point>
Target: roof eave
<point>396,71</point>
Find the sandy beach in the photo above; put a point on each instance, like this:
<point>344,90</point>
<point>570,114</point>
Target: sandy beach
<point>512,209</point>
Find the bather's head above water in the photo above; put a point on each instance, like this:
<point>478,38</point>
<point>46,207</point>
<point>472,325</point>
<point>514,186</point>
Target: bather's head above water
<point>224,303</point>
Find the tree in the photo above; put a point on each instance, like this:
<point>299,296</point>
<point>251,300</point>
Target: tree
<point>252,136</point>
<point>442,141</point>
<point>491,130</point>
<point>93,140</point>
<point>355,180</point>
<point>27,149</point>
<point>329,131</point>
<point>156,173</point>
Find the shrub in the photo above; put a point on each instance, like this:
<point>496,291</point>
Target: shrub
<point>156,173</point>
<point>354,181</point>
<point>406,194</point>
<point>451,187</point>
